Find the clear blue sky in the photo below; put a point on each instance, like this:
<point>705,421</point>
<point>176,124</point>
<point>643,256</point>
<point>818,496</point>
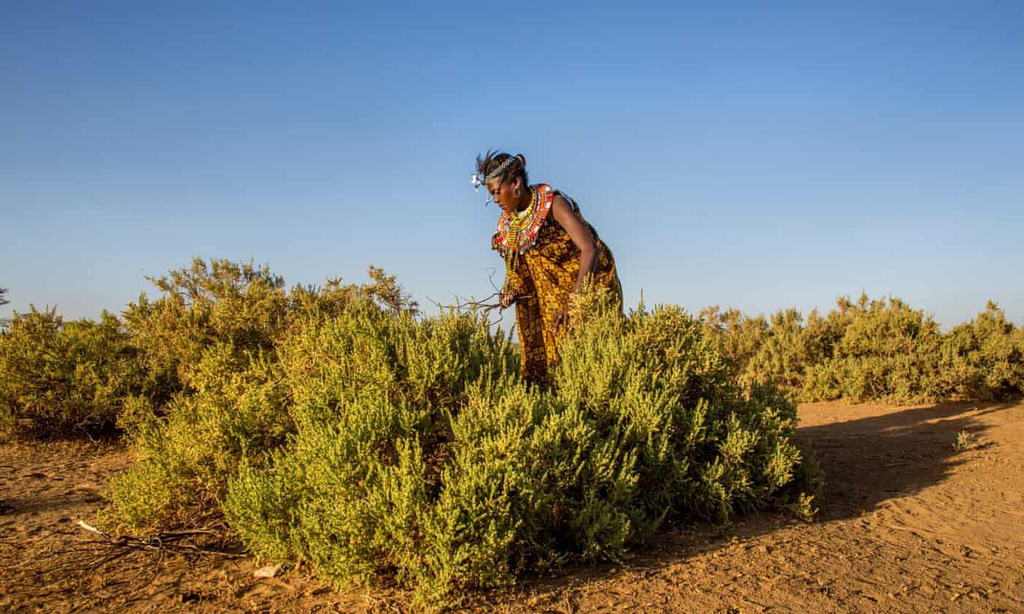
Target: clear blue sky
<point>759,155</point>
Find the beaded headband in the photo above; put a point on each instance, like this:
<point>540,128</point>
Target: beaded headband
<point>477,180</point>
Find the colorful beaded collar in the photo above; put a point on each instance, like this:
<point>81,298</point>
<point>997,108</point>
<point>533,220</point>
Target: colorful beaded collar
<point>518,234</point>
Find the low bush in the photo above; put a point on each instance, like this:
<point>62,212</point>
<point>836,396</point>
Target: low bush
<point>888,352</point>
<point>409,448</point>
<point>872,350</point>
<point>983,359</point>
<point>64,378</point>
<point>335,426</point>
<point>736,336</point>
<point>237,305</point>
<point>220,392</point>
<point>60,378</point>
<point>187,452</point>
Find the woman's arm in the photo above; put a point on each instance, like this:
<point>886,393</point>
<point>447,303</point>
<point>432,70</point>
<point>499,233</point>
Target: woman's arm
<point>580,235</point>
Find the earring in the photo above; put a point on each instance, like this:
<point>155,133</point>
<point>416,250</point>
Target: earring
<point>518,191</point>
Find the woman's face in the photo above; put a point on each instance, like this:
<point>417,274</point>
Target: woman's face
<point>502,193</point>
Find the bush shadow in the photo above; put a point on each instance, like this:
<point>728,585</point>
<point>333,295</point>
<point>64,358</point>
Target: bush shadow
<point>886,454</point>
<point>878,457</point>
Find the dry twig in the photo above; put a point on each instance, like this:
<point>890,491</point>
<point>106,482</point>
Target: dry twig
<point>483,306</point>
<point>163,542</point>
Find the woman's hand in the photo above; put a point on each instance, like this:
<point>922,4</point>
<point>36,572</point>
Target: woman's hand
<point>561,321</point>
<point>505,299</point>
<point>563,317</point>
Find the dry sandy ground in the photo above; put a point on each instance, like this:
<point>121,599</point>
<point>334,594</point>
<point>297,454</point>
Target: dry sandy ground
<point>908,522</point>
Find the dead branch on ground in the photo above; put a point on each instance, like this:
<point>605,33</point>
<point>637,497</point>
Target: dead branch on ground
<point>170,542</point>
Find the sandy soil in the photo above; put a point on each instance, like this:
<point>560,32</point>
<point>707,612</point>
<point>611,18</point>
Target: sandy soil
<point>909,522</point>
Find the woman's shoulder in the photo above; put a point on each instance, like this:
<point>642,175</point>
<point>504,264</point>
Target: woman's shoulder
<point>548,195</point>
<point>559,194</point>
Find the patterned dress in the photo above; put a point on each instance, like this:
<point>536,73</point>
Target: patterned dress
<point>541,267</point>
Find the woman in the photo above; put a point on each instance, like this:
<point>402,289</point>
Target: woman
<point>550,254</point>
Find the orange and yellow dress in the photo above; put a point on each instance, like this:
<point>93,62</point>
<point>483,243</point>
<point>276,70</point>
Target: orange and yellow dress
<point>541,267</point>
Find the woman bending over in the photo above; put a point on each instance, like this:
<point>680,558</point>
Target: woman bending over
<point>550,253</point>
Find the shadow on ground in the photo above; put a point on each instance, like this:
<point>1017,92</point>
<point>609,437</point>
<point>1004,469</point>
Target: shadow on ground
<point>866,461</point>
<point>869,460</point>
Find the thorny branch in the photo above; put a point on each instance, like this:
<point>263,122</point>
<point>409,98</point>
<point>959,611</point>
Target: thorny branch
<point>482,305</point>
<point>163,542</point>
<point>101,552</point>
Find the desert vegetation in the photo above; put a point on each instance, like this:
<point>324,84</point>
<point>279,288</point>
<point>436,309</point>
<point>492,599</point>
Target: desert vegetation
<point>336,426</point>
<point>872,350</point>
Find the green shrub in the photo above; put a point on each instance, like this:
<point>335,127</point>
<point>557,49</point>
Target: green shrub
<point>334,426</point>
<point>782,357</point>
<point>660,384</point>
<point>374,396</point>
<point>737,337</point>
<point>983,359</point>
<point>419,454</point>
<point>777,351</point>
<point>880,350</point>
<point>60,378</point>
<point>888,351</point>
<point>187,454</point>
<point>238,304</point>
<point>211,344</point>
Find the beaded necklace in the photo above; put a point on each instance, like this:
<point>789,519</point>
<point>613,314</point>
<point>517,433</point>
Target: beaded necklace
<point>518,231</point>
<point>516,225</point>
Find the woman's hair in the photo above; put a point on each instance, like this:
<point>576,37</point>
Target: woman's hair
<point>493,159</point>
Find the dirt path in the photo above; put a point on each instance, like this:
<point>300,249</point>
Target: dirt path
<point>908,522</point>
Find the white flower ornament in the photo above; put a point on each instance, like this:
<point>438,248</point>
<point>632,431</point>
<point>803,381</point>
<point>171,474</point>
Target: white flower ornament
<point>478,181</point>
